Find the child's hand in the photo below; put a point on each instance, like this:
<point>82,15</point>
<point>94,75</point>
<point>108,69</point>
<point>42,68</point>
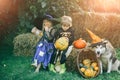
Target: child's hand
<point>46,28</point>
<point>67,38</point>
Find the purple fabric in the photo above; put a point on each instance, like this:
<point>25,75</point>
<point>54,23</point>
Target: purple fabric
<point>43,53</point>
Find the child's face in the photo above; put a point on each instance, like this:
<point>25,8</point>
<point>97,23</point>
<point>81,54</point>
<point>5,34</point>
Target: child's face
<point>47,23</point>
<point>65,26</point>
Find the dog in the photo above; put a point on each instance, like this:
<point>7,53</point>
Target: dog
<point>107,56</point>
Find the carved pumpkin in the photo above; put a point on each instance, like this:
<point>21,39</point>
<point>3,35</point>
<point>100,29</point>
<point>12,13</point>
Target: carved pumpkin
<point>79,44</point>
<point>61,43</point>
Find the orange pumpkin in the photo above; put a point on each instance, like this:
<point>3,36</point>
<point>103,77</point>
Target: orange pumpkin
<point>94,64</point>
<point>96,68</point>
<point>79,44</point>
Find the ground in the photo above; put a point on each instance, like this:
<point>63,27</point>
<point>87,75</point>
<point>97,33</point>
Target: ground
<point>19,68</point>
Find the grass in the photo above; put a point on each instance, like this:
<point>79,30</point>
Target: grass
<point>18,68</point>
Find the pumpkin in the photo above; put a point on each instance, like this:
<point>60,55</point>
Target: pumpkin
<point>79,44</point>
<point>87,62</point>
<point>94,73</point>
<point>94,64</point>
<point>89,72</point>
<point>82,69</point>
<point>61,43</point>
<point>96,68</point>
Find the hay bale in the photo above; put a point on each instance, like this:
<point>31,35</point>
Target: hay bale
<point>105,25</point>
<point>24,44</point>
<point>71,63</point>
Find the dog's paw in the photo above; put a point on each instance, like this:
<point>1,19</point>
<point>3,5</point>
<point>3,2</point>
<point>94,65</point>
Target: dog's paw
<point>101,72</point>
<point>118,72</point>
<point>108,71</point>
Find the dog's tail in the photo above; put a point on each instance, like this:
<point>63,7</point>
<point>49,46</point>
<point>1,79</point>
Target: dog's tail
<point>116,63</point>
<point>119,66</point>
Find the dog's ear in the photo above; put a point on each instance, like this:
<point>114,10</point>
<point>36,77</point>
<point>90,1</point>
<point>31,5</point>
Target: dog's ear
<point>105,41</point>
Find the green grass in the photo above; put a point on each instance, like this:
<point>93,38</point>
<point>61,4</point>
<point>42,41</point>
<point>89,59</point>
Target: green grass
<point>18,68</point>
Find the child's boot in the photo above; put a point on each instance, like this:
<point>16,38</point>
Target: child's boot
<point>63,68</point>
<point>35,63</point>
<point>51,68</point>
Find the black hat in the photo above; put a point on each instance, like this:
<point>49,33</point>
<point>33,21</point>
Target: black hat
<point>39,20</point>
<point>48,17</point>
<point>51,18</point>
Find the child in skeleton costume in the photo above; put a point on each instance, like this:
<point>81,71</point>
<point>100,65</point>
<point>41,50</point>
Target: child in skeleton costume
<point>65,31</point>
<point>45,46</point>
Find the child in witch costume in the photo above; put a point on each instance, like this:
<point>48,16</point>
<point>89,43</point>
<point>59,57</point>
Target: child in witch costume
<point>61,55</point>
<point>45,46</point>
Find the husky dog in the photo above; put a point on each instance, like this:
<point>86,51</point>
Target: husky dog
<point>107,56</point>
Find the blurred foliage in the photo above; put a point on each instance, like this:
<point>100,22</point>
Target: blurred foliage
<point>30,10</point>
<point>29,13</point>
<point>118,53</point>
<point>24,44</point>
<point>8,20</point>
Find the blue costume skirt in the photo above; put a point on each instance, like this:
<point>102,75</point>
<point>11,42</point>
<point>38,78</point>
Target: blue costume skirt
<point>43,53</point>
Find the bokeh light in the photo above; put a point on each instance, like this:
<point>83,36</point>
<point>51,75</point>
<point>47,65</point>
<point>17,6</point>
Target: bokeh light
<point>107,5</point>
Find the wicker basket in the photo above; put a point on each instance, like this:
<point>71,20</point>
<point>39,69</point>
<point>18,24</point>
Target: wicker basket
<point>87,54</point>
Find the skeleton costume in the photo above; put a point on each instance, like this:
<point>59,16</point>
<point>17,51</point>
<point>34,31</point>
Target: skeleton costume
<point>61,33</point>
<point>59,55</point>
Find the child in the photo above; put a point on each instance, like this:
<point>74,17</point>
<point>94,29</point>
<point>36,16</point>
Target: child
<point>65,31</point>
<point>45,47</point>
